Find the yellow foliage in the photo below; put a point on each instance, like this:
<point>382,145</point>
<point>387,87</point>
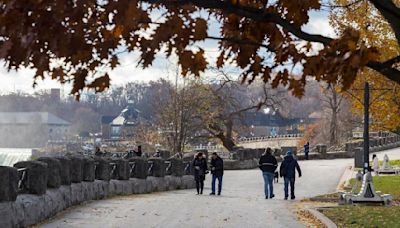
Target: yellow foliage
<point>374,31</point>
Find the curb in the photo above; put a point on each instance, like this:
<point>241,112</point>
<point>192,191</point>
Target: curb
<point>345,179</point>
<point>322,218</point>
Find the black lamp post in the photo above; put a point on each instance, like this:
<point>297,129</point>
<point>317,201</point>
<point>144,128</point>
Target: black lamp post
<point>366,128</point>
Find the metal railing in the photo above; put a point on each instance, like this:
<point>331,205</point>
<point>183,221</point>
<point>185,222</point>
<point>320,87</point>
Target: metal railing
<point>269,138</point>
<point>132,166</point>
<point>150,170</point>
<point>169,166</point>
<point>187,168</point>
<point>22,175</point>
<point>113,168</point>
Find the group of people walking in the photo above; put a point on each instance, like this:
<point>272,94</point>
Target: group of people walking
<point>267,163</point>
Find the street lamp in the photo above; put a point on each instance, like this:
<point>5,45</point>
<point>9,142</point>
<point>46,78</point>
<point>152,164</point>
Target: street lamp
<point>366,128</point>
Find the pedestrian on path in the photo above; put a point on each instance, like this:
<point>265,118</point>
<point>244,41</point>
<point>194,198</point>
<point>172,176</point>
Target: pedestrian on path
<point>306,149</point>
<point>268,165</point>
<point>200,169</point>
<point>217,171</point>
<point>375,164</point>
<point>288,172</point>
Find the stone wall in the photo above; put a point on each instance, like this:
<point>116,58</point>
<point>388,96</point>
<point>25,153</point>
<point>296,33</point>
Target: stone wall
<point>245,158</point>
<point>37,190</point>
<point>375,145</point>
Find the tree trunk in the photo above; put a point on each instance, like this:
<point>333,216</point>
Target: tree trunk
<point>227,141</point>
<point>333,126</point>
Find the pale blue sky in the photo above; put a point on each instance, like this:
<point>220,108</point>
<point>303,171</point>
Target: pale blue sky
<point>128,71</point>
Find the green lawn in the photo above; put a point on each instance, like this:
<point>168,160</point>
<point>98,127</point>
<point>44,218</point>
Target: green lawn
<point>387,185</point>
<point>391,162</point>
<point>364,216</point>
<point>370,216</point>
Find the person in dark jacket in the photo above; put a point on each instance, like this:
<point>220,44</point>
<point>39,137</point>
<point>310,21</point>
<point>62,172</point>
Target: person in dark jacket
<point>139,151</point>
<point>288,172</point>
<point>217,171</point>
<point>200,169</point>
<point>268,165</point>
<point>306,149</point>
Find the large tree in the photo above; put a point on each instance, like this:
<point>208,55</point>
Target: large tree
<point>385,94</point>
<point>76,40</point>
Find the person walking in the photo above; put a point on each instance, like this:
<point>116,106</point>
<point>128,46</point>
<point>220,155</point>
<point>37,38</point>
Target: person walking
<point>375,164</point>
<point>139,151</point>
<point>288,172</point>
<point>306,149</point>
<point>200,169</point>
<point>268,165</point>
<point>217,171</point>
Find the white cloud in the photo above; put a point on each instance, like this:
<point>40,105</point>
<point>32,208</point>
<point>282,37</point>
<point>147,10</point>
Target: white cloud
<point>319,24</point>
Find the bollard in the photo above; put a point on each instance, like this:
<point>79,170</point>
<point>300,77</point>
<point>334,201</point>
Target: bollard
<point>8,183</point>
<point>234,156</point>
<point>189,170</point>
<point>36,176</point>
<point>177,167</point>
<point>358,157</point>
<point>165,154</point>
<point>88,169</point>
<point>158,166</point>
<point>349,147</point>
<point>122,169</point>
<point>322,150</point>
<point>141,167</point>
<point>241,154</point>
<point>65,173</point>
<point>102,169</point>
<point>53,171</point>
<point>76,169</point>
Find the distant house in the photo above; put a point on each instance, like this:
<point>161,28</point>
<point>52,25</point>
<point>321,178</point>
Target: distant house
<point>106,126</point>
<point>122,126</point>
<point>31,129</point>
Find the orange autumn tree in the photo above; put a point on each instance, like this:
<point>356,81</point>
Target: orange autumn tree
<point>375,31</point>
<point>74,41</point>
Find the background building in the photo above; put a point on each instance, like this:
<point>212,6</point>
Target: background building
<point>31,129</point>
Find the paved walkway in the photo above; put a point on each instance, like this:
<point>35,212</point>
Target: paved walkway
<point>242,204</point>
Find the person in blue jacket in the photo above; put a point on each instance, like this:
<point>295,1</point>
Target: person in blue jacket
<point>306,149</point>
<point>288,172</point>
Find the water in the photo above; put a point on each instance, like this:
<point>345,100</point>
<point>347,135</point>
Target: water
<point>10,156</point>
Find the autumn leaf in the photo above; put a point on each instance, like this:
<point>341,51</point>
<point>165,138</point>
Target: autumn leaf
<point>101,83</point>
<point>200,29</point>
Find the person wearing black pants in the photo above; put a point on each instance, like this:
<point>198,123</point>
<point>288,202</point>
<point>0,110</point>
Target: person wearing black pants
<point>200,169</point>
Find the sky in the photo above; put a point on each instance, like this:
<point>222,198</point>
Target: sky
<point>128,71</point>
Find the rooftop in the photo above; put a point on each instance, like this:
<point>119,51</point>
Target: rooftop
<point>31,118</point>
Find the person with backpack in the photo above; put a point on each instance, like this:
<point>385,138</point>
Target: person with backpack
<point>288,172</point>
<point>268,165</point>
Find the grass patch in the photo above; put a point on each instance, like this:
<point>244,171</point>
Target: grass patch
<point>386,184</point>
<point>369,216</point>
<point>391,162</point>
<point>363,216</point>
